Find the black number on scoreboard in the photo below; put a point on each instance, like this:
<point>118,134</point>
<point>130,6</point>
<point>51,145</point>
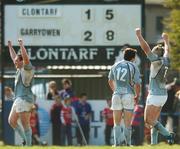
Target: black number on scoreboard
<point>87,36</point>
<point>109,14</point>
<point>110,35</point>
<point>88,12</point>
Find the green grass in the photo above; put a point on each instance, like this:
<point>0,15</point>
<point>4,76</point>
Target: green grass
<point>160,146</point>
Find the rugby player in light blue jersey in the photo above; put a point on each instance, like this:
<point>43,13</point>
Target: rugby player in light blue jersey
<point>124,80</point>
<point>159,57</point>
<point>23,95</point>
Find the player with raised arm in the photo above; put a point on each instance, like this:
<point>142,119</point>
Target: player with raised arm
<point>159,57</point>
<point>123,77</point>
<point>23,95</point>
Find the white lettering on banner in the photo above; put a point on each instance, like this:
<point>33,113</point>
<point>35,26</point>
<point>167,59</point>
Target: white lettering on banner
<point>32,57</point>
<point>42,56</point>
<point>110,52</point>
<point>53,54</point>
<point>39,12</point>
<point>63,54</point>
<point>72,55</point>
<point>93,53</point>
<point>83,54</point>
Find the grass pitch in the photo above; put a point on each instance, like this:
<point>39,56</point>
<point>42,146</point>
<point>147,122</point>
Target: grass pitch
<point>160,146</point>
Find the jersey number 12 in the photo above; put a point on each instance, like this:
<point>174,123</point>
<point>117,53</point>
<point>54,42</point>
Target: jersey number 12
<point>121,74</point>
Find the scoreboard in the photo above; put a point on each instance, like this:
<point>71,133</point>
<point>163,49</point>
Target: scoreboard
<point>73,24</point>
<point>92,31</point>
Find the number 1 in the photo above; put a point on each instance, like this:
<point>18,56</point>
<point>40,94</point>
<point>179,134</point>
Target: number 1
<point>88,12</point>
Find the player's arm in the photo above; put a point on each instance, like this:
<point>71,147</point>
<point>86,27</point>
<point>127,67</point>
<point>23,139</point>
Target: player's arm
<point>144,45</point>
<point>23,52</point>
<point>166,44</point>
<point>28,73</point>
<point>137,86</point>
<point>111,79</point>
<point>137,90</point>
<point>111,84</point>
<point>11,51</point>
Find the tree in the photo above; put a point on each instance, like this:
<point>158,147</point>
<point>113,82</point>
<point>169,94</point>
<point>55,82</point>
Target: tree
<point>172,24</point>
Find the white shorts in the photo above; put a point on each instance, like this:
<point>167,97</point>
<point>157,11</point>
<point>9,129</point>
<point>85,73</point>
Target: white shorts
<point>125,101</point>
<point>156,100</point>
<point>21,105</point>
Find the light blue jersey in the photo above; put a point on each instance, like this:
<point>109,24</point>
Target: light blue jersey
<point>23,83</point>
<point>125,74</point>
<point>158,70</point>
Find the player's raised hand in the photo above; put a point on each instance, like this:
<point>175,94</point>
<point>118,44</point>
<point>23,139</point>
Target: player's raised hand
<point>20,42</point>
<point>165,36</point>
<point>9,44</point>
<point>138,31</point>
<point>11,50</point>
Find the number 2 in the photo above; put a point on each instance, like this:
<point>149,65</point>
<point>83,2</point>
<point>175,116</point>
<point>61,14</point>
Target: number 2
<point>88,36</point>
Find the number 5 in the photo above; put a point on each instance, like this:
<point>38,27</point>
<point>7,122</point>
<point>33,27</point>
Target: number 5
<point>109,14</point>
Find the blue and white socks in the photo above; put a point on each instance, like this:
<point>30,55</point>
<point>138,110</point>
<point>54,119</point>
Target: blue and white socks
<point>119,136</point>
<point>128,132</point>
<point>154,136</point>
<point>159,128</point>
<point>162,130</point>
<point>28,134</point>
<point>20,131</point>
<point>117,132</point>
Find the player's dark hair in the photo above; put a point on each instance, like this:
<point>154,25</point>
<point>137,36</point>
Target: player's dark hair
<point>159,50</point>
<point>129,54</point>
<point>125,46</point>
<point>20,57</point>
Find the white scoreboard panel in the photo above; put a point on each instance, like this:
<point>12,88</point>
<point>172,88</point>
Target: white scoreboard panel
<point>72,25</point>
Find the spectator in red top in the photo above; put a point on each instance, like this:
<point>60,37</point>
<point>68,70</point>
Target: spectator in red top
<point>107,114</point>
<point>67,112</point>
<point>34,123</point>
